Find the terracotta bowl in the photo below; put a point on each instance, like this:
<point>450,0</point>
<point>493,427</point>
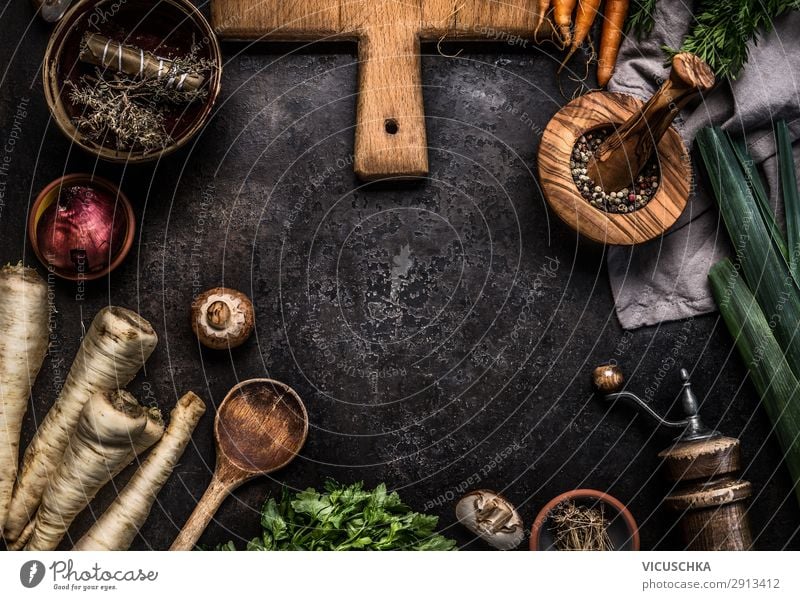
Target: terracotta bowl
<point>165,27</point>
<point>50,194</point>
<point>622,529</point>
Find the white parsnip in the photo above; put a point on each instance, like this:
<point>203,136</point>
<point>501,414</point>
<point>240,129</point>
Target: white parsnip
<point>152,432</point>
<point>118,526</point>
<point>23,345</point>
<point>115,347</point>
<point>106,439</point>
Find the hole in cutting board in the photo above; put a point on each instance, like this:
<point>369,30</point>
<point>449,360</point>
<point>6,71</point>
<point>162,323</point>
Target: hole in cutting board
<point>391,126</point>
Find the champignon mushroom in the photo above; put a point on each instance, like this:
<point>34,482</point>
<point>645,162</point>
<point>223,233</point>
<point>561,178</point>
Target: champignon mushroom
<point>222,318</point>
<point>492,518</point>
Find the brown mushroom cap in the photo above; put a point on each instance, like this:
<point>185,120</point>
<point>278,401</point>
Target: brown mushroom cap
<point>222,318</point>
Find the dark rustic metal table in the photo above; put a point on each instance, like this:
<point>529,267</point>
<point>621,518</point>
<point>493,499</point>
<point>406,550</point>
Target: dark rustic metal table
<point>441,333</point>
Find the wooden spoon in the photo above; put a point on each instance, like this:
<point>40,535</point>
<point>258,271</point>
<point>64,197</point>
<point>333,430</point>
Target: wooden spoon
<point>260,427</point>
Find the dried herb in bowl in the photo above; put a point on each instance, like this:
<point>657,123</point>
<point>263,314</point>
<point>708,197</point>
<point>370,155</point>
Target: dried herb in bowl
<point>127,100</point>
<point>344,517</point>
<point>137,85</point>
<point>578,527</point>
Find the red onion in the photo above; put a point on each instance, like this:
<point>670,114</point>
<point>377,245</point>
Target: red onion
<point>83,231</point>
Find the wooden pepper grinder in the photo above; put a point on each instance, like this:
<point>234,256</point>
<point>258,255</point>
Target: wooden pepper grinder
<point>622,156</point>
<point>711,499</point>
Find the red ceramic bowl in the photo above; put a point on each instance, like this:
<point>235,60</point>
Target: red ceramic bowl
<point>622,529</point>
<point>50,194</point>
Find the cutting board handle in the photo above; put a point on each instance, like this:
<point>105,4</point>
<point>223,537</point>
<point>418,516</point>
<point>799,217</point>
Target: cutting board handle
<point>390,124</point>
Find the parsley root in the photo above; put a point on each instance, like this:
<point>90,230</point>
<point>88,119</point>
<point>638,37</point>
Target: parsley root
<point>111,429</point>
<point>116,346</point>
<point>117,527</point>
<point>23,345</point>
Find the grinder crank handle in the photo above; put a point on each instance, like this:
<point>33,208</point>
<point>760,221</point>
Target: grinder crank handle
<point>609,380</point>
<point>621,157</point>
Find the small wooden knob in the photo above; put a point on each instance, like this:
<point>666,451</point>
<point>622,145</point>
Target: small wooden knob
<point>621,157</point>
<point>608,379</point>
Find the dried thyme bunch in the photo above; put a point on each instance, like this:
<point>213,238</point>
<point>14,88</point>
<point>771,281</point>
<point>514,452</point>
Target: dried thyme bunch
<point>113,112</point>
<point>130,111</point>
<point>580,528</point>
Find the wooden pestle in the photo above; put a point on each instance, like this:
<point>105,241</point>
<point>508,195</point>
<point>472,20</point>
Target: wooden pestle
<point>621,157</point>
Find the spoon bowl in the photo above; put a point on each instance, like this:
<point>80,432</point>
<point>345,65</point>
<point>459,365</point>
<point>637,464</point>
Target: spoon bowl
<point>260,427</point>
<point>274,419</point>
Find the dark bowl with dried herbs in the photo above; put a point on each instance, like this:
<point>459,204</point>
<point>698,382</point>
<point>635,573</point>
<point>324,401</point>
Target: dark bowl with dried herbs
<point>584,520</point>
<point>132,81</point>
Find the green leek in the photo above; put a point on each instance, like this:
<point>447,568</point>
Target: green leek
<point>753,178</point>
<point>790,199</point>
<point>758,297</point>
<point>774,380</point>
<point>764,268</point>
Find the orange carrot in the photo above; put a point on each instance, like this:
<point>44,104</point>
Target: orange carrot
<point>542,6</point>
<point>562,15</point>
<point>584,17</point>
<point>615,13</point>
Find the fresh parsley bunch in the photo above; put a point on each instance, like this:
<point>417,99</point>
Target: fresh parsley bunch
<point>345,518</point>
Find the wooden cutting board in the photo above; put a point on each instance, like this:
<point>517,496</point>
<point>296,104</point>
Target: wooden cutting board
<point>390,136</point>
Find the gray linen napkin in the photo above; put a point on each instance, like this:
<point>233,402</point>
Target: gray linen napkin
<point>666,279</point>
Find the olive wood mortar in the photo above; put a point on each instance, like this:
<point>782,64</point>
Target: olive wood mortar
<point>260,427</point>
<point>390,139</point>
<point>639,131</point>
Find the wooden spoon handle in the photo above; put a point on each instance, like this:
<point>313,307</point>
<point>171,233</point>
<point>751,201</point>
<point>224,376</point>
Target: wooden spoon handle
<point>217,491</point>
